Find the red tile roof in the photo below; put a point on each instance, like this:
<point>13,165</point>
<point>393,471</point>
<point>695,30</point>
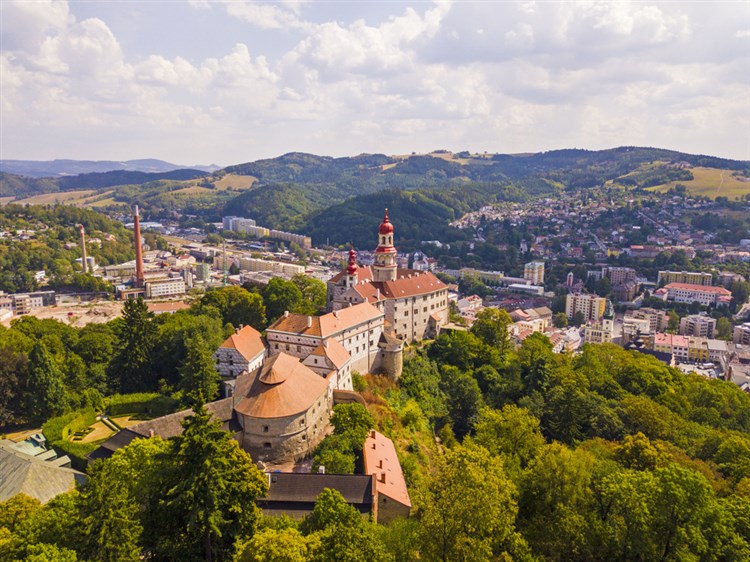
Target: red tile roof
<point>698,288</point>
<point>380,459</point>
<point>247,341</point>
<point>327,325</point>
<point>283,387</point>
<point>333,351</point>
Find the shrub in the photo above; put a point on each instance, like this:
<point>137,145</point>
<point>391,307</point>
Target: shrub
<point>140,403</point>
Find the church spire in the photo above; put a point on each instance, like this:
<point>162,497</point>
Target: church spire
<point>384,268</point>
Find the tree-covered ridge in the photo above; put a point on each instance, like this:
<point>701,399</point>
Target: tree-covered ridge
<point>22,186</point>
<point>54,228</point>
<point>509,454</point>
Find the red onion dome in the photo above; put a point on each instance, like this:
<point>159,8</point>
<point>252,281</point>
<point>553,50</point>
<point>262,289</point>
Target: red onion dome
<point>386,227</point>
<point>351,269</point>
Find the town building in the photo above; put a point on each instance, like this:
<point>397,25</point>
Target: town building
<point>741,334</point>
<point>698,325</point>
<point>658,320</point>
<point>619,275</point>
<point>592,306</point>
<point>244,350</point>
<point>38,474</point>
<point>414,303</point>
<point>685,277</point>
<point>534,272</point>
<point>358,328</point>
<point>603,329</point>
<point>165,288</point>
<point>705,295</point>
<point>380,460</point>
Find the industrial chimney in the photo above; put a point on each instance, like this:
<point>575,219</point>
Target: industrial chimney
<point>138,250</point>
<point>84,262</point>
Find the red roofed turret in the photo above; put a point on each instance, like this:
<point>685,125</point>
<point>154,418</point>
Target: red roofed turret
<point>386,227</point>
<point>351,269</point>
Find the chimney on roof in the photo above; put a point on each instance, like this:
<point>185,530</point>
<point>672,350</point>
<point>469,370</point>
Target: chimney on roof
<point>382,477</point>
<point>372,433</point>
<point>309,321</point>
<point>335,313</point>
<point>150,432</point>
<point>286,314</point>
<point>377,294</point>
<point>321,469</point>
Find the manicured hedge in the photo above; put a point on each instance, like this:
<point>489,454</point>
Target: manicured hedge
<point>76,451</point>
<point>59,429</point>
<point>141,403</point>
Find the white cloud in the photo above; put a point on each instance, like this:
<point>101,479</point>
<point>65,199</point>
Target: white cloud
<point>390,78</point>
<point>267,16</point>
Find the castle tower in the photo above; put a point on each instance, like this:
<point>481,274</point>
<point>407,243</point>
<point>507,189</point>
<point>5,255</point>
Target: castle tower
<point>139,277</point>
<point>351,269</point>
<point>384,268</point>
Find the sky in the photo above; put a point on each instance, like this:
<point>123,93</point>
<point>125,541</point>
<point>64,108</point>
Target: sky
<point>200,82</point>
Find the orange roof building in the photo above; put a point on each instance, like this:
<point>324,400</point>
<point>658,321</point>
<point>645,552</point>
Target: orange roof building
<point>358,329</point>
<point>283,409</point>
<point>415,303</point>
<point>244,350</point>
<point>381,461</point>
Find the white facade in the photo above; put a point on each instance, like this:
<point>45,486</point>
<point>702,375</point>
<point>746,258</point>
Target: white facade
<point>165,288</point>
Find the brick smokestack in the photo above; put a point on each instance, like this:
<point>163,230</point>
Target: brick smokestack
<point>138,250</point>
<point>84,261</point>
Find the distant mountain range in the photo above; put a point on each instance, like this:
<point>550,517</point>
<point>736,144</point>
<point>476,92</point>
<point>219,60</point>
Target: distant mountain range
<point>58,168</point>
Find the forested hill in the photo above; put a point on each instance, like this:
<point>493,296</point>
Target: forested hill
<point>572,167</point>
<point>16,185</point>
<point>55,168</point>
<point>330,198</point>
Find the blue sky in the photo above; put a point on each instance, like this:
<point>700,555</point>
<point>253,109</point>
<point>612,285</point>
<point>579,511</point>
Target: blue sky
<point>198,82</point>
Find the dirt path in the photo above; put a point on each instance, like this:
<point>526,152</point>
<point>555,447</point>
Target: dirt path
<point>718,188</point>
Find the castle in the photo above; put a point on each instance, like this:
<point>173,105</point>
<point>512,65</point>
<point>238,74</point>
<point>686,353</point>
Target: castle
<point>279,390</point>
<point>414,303</point>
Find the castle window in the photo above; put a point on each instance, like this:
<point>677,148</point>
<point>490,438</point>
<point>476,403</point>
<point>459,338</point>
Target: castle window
<point>265,429</point>
<point>266,445</point>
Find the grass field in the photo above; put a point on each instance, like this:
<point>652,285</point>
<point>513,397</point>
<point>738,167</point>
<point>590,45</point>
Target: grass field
<point>710,182</point>
<point>67,197</point>
<point>235,181</point>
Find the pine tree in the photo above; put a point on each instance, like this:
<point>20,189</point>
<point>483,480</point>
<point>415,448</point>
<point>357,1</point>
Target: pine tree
<point>210,503</point>
<point>130,369</point>
<point>47,394</point>
<point>200,379</point>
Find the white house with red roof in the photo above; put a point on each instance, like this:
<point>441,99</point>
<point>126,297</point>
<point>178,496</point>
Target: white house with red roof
<point>358,329</point>
<point>415,303</point>
<point>244,350</point>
